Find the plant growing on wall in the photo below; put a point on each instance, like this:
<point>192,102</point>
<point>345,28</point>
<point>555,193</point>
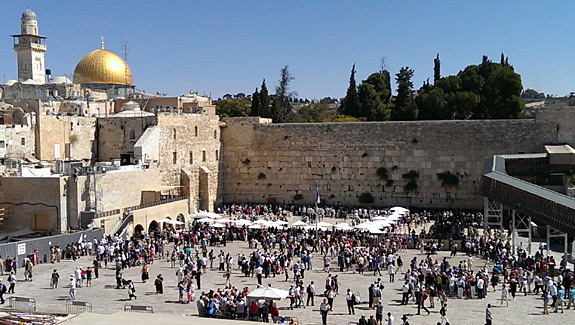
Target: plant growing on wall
<point>366,198</point>
<point>381,172</point>
<point>389,182</point>
<point>246,161</point>
<point>261,176</point>
<point>411,178</point>
<point>448,179</point>
<point>298,197</point>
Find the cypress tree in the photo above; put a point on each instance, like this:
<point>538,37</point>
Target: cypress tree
<point>350,105</point>
<point>255,108</point>
<point>264,101</point>
<point>436,69</point>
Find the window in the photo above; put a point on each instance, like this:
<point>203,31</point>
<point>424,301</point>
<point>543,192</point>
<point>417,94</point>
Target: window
<point>217,154</point>
<point>175,158</point>
<point>215,134</point>
<point>132,135</point>
<point>191,157</point>
<point>195,131</point>
<point>203,155</point>
<point>174,133</point>
<point>23,141</point>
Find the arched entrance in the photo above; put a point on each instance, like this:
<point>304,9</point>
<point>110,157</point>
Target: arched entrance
<point>181,218</point>
<point>139,228</point>
<point>153,226</point>
<point>167,225</point>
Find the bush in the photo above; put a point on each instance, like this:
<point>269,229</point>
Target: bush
<point>448,179</point>
<point>382,173</point>
<point>298,197</point>
<point>261,176</point>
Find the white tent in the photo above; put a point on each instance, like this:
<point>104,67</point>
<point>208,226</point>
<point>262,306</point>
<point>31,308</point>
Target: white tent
<point>365,225</point>
<point>299,223</point>
<point>255,226</point>
<point>375,231</point>
<point>399,210</point>
<point>324,224</point>
<point>206,220</point>
<point>224,220</point>
<point>218,225</point>
<point>242,222</point>
<point>269,293</point>
<point>342,225</point>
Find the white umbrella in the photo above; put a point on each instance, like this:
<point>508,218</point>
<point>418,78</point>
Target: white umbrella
<point>269,293</point>
<point>399,210</point>
<point>206,220</point>
<point>365,225</point>
<point>383,223</point>
<point>218,225</point>
<point>261,222</point>
<point>342,225</point>
<point>174,222</point>
<point>324,224</point>
<point>224,220</point>
<point>299,223</point>
<point>242,222</point>
<point>255,227</point>
<point>375,231</point>
<point>281,222</point>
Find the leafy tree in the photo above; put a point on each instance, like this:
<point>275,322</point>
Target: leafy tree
<point>228,96</point>
<point>350,104</point>
<point>381,81</point>
<point>232,107</point>
<point>264,109</point>
<point>371,106</point>
<point>281,106</point>
<point>255,107</point>
<point>405,108</point>
<point>240,96</point>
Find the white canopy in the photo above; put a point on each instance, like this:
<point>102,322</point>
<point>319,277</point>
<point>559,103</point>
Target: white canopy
<point>324,224</point>
<point>206,214</point>
<point>206,220</point>
<point>365,225</point>
<point>399,210</point>
<point>255,226</point>
<point>224,220</point>
<point>269,293</point>
<point>218,225</point>
<point>299,223</point>
<point>242,222</point>
<point>342,225</point>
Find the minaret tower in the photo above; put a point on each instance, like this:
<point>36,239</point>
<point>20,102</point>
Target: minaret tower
<point>30,48</point>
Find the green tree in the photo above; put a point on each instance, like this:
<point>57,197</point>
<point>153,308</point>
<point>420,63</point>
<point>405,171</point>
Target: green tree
<point>405,108</point>
<point>232,107</point>
<point>532,94</point>
<point>255,107</point>
<point>264,101</point>
<point>350,104</point>
<point>281,106</point>
<point>371,106</point>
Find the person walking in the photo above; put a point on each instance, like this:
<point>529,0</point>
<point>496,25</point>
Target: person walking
<point>54,279</point>
<point>330,296</point>
<point>504,296</point>
<point>72,291</point>
<point>145,272</point>
<point>488,315</point>
<point>546,299</point>
<point>131,290</point>
<point>3,290</point>
<point>443,313</point>
<point>12,281</point>
<point>571,296</point>
<point>324,309</point>
<point>391,271</point>
<point>350,299</point>
<point>560,296</point>
<point>390,319</point>
<point>310,293</point>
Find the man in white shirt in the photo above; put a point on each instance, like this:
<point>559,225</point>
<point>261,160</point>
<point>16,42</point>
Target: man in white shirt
<point>390,319</point>
<point>391,270</point>
<point>349,297</point>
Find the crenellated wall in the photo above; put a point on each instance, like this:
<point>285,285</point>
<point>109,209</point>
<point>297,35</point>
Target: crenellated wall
<point>265,162</point>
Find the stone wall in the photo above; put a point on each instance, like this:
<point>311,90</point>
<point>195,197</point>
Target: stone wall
<point>38,203</point>
<point>273,162</point>
<point>118,135</point>
<point>65,137</point>
<point>171,210</point>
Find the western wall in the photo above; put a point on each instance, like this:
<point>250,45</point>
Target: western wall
<point>282,163</point>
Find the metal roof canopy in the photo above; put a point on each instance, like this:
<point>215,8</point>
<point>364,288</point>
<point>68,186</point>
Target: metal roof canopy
<point>543,205</point>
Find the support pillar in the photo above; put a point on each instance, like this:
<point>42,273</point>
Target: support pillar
<point>492,216</point>
<point>554,233</point>
<point>521,224</point>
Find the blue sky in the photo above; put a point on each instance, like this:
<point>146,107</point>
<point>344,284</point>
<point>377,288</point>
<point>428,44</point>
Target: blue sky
<point>218,47</point>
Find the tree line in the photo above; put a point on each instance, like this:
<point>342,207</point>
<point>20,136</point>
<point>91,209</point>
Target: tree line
<point>488,90</point>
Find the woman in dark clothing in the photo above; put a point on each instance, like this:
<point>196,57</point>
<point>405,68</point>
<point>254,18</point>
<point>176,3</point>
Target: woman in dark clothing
<point>159,283</point>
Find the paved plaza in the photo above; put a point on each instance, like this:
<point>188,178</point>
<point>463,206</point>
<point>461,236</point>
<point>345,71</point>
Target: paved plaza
<point>106,299</point>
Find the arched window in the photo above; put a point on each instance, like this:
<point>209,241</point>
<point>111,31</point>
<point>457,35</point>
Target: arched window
<point>132,134</point>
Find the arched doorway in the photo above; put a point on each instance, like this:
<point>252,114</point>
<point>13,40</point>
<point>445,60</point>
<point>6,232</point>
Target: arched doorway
<point>139,228</point>
<point>181,218</point>
<point>153,226</point>
<point>167,225</point>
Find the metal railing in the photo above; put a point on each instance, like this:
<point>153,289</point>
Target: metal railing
<point>139,309</point>
<point>22,303</point>
<point>108,213</point>
<point>151,204</point>
<point>78,307</point>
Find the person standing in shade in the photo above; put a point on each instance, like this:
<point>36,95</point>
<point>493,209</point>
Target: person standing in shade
<point>324,308</point>
<point>488,315</point>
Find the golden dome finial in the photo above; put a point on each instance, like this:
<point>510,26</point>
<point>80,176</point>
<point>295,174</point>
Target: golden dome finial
<point>102,42</point>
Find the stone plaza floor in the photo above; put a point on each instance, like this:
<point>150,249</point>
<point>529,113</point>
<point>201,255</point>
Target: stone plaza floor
<point>106,299</point>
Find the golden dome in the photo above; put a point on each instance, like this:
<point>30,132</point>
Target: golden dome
<point>103,67</point>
